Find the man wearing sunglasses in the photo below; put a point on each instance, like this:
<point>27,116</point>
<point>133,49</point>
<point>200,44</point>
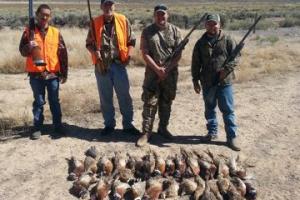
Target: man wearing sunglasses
<point>159,89</point>
<point>114,44</point>
<point>49,75</point>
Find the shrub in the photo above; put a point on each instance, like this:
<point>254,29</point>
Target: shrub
<point>290,22</point>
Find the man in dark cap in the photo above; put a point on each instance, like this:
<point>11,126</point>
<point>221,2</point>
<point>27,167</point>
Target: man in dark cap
<point>159,89</point>
<point>114,44</point>
<point>209,54</point>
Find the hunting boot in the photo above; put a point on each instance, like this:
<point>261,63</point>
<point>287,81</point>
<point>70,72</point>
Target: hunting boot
<point>233,144</point>
<point>36,134</point>
<point>164,132</point>
<point>143,140</point>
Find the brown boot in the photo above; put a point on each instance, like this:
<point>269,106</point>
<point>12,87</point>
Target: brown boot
<point>143,140</point>
<point>233,144</point>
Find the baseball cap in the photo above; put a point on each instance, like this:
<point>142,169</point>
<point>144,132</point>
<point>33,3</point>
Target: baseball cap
<point>106,1</point>
<point>213,17</point>
<point>160,7</point>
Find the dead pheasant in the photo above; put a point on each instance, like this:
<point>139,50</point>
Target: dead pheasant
<point>200,187</point>
<point>172,189</point>
<point>136,191</point>
<point>208,168</point>
<point>76,166</point>
<point>187,186</point>
<point>239,185</point>
<point>154,188</point>
<point>105,166</point>
<point>102,189</point>
<point>90,164</point>
<point>180,166</point>
<point>170,166</point>
<point>160,164</point>
<point>119,189</point>
<point>92,152</point>
<point>192,162</point>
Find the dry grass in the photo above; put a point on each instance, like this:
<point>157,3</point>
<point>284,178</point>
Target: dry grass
<point>12,119</point>
<point>75,42</point>
<point>10,59</point>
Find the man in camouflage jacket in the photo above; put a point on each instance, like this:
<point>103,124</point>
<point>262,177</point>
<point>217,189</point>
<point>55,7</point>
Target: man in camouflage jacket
<point>159,89</point>
<point>209,54</point>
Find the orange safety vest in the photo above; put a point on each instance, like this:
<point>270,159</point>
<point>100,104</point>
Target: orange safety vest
<point>121,31</point>
<point>49,48</point>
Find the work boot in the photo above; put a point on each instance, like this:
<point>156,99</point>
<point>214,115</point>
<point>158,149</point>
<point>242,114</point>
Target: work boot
<point>164,132</point>
<point>107,130</point>
<point>36,134</point>
<point>233,144</point>
<point>143,140</point>
<point>210,137</point>
<point>132,130</point>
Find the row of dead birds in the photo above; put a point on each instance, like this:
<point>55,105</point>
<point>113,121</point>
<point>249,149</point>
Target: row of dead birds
<point>188,174</point>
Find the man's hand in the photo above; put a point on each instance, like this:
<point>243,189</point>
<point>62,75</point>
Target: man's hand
<point>222,74</point>
<point>161,73</point>
<point>98,55</point>
<point>197,87</point>
<point>62,80</point>
<point>32,44</point>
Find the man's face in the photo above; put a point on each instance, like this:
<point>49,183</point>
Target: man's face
<point>43,17</point>
<point>161,18</point>
<point>212,27</point>
<point>108,8</point>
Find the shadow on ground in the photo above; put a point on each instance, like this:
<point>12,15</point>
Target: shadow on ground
<point>74,131</point>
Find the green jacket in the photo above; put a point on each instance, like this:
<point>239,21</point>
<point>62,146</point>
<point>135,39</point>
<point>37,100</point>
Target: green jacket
<point>208,59</point>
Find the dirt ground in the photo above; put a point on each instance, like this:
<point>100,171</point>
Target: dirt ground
<point>268,116</point>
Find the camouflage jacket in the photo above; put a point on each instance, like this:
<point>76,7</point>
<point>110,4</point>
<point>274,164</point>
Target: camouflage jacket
<point>159,44</point>
<point>208,59</point>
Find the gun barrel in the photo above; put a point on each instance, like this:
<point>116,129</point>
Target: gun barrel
<point>30,9</point>
<point>250,29</point>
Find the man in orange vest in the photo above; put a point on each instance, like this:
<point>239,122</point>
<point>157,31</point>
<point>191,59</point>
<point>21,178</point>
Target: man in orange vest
<point>112,50</point>
<point>49,76</point>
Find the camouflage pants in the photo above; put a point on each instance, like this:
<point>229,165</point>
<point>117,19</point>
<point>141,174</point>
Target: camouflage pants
<point>158,96</point>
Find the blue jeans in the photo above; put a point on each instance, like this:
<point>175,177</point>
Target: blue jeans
<point>39,87</point>
<point>224,97</point>
<point>116,78</point>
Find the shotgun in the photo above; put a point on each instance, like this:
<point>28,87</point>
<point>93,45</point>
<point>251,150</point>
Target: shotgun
<point>212,91</point>
<point>99,65</point>
<point>168,63</point>
<point>36,51</point>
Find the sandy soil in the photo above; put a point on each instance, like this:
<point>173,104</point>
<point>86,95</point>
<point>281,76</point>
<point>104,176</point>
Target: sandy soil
<point>268,115</point>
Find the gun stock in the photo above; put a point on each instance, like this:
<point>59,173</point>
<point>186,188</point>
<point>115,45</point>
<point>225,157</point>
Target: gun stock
<point>36,53</point>
<point>99,65</point>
